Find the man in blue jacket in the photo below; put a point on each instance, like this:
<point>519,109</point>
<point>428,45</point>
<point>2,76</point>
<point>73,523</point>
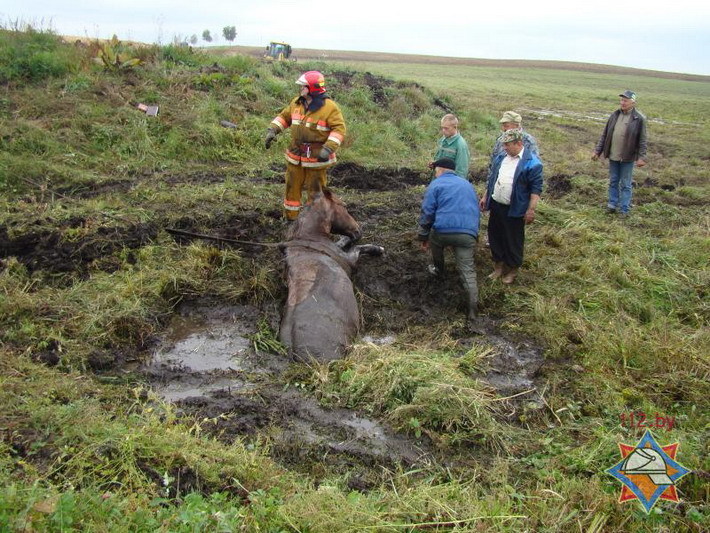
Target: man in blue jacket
<point>450,217</point>
<point>512,194</point>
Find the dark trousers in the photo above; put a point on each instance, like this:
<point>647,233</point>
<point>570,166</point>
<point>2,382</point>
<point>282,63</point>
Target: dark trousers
<point>506,235</point>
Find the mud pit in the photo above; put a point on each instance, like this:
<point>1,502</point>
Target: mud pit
<point>207,365</point>
<point>209,368</point>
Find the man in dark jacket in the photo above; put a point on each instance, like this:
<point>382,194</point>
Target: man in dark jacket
<point>623,142</point>
<point>450,217</point>
<point>514,188</point>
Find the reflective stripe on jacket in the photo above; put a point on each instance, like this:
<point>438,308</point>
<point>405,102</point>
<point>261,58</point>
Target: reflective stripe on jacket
<point>310,131</point>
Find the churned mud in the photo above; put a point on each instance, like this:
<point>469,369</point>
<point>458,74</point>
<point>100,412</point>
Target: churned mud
<point>210,366</point>
<point>48,248</point>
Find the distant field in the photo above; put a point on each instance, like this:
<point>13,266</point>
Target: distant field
<point>345,55</point>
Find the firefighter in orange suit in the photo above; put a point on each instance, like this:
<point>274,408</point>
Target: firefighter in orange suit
<point>317,130</point>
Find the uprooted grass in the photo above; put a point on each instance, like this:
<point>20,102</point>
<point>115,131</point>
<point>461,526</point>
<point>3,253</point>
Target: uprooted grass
<point>418,391</point>
<point>134,300</point>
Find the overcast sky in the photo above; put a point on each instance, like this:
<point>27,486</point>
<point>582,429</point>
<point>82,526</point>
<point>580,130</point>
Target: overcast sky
<point>668,35</point>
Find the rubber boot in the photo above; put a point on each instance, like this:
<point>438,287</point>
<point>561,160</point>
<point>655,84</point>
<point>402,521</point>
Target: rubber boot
<point>475,322</point>
<point>472,310</point>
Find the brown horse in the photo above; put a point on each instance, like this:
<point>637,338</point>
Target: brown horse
<point>321,315</point>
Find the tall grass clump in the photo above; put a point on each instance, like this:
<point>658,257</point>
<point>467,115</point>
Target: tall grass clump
<point>32,55</point>
<point>420,391</point>
<point>186,56</point>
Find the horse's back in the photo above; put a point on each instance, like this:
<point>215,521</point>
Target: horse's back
<point>321,314</point>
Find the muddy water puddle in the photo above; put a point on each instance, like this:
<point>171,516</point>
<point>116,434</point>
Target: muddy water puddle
<point>204,347</point>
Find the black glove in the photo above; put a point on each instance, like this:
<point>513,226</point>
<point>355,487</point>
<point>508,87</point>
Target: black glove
<point>324,154</point>
<point>270,137</point>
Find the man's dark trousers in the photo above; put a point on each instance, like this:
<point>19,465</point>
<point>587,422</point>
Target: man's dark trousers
<point>506,235</point>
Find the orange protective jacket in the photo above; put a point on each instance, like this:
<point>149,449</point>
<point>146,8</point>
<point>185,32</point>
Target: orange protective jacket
<point>310,131</point>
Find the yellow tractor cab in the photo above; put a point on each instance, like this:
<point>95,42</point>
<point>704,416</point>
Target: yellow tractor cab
<point>277,51</point>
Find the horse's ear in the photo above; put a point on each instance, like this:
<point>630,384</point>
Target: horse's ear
<point>327,193</point>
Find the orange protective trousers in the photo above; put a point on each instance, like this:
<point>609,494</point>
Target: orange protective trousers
<point>299,178</point>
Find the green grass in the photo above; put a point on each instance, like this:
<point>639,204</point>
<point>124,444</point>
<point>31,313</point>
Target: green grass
<point>621,308</point>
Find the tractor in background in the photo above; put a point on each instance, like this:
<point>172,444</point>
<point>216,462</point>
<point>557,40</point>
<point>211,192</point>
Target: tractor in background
<point>277,51</point>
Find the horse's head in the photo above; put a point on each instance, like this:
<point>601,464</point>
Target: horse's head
<point>341,222</point>
<point>325,214</point>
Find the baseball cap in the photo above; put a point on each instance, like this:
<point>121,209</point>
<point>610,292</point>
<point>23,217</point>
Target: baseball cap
<point>511,136</point>
<point>629,94</point>
<point>445,162</point>
<point>511,116</point>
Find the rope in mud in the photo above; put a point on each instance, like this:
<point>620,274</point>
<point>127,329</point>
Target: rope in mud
<point>183,233</point>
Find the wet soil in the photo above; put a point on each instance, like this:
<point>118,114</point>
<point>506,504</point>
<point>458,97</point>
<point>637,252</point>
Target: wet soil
<point>558,185</point>
<point>49,248</point>
<point>354,176</point>
<point>250,226</point>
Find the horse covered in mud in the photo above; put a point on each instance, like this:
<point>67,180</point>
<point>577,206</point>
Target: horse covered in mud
<point>321,315</point>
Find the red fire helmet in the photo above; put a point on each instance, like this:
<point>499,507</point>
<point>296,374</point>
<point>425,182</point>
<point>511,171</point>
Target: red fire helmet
<point>314,80</point>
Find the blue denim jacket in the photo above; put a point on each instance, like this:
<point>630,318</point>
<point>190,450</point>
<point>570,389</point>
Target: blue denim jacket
<point>527,181</point>
<point>450,206</point>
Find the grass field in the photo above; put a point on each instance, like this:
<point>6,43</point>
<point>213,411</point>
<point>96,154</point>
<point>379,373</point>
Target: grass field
<point>90,281</point>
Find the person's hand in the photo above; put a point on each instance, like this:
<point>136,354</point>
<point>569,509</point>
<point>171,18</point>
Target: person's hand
<point>482,203</point>
<point>595,156</point>
<point>640,163</point>
<point>529,216</point>
<point>425,246</point>
<point>430,164</point>
<point>270,137</point>
<point>324,154</point>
